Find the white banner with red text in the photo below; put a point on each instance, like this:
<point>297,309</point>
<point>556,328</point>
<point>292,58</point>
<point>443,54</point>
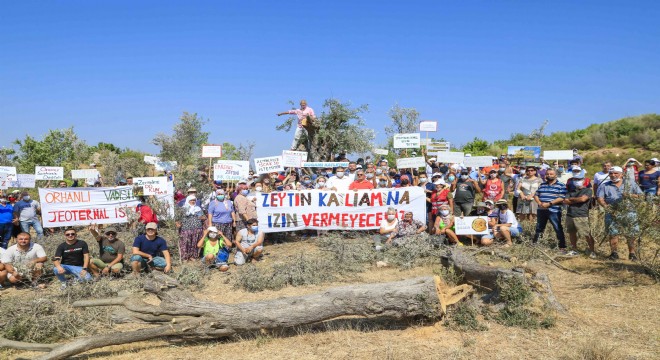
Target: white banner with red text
<point>331,210</point>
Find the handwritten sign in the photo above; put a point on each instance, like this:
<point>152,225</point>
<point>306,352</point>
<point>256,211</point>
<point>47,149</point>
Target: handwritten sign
<point>325,164</point>
<point>428,125</point>
<point>454,157</point>
<point>406,141</point>
<point>4,183</point>
<point>84,174</point>
<point>471,225</point>
<point>331,210</point>
<point>293,158</point>
<point>381,151</point>
<point>477,161</point>
<point>438,146</point>
<point>558,155</point>
<point>49,172</point>
<point>9,171</point>
<point>268,164</point>
<point>23,181</point>
<point>150,185</point>
<point>410,163</point>
<point>211,151</point>
<point>231,170</point>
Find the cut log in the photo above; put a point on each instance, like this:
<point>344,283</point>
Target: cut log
<point>188,318</point>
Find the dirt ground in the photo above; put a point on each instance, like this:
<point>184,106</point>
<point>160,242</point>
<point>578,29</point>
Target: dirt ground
<point>610,304</point>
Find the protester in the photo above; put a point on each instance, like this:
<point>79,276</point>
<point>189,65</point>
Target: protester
<point>215,248</point>
<point>221,214</point>
<point>440,196</point>
<point>307,113</point>
<point>25,254</point>
<point>147,215</point>
<point>466,189</point>
<point>527,187</point>
<point>577,215</point>
<point>6,217</point>
<point>620,214</point>
<point>150,251</point>
<point>191,227</point>
<point>577,173</point>
<point>360,182</point>
<point>71,257</point>
<point>111,252</point>
<point>249,243</point>
<point>493,187</point>
<point>387,227</point>
<point>26,214</point>
<point>405,228</point>
<point>548,197</point>
<point>507,226</point>
<point>445,225</point>
<point>649,179</point>
<point>339,182</point>
<point>247,209</point>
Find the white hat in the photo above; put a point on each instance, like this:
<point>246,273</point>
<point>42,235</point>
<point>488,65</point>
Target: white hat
<point>655,160</point>
<point>436,174</point>
<point>213,229</point>
<point>576,169</point>
<point>439,182</point>
<point>616,169</point>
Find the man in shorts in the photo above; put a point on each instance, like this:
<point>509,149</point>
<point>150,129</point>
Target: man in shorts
<point>249,243</point>
<point>111,252</point>
<point>150,251</point>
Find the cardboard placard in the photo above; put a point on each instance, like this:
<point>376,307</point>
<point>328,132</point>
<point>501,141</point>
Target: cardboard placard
<point>150,185</point>
<point>407,141</point>
<point>231,170</point>
<point>438,146</point>
<point>211,151</point>
<point>151,160</point>
<point>9,171</point>
<point>428,125</point>
<point>165,165</point>
<point>23,181</point>
<point>268,164</point>
<point>293,158</point>
<point>478,161</point>
<point>471,225</point>
<point>381,151</point>
<point>84,174</point>
<point>49,173</point>
<point>558,155</point>
<point>454,157</point>
<point>410,163</point>
<point>4,183</point>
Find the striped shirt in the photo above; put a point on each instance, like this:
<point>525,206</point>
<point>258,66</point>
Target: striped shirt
<point>547,193</point>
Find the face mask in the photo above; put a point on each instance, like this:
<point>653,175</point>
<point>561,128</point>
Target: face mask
<point>321,183</point>
<point>561,169</point>
<point>4,201</point>
<point>578,183</point>
<point>220,197</point>
<point>481,211</point>
<point>616,180</point>
<point>324,173</point>
<point>464,177</point>
<point>423,180</point>
<point>254,228</point>
<point>451,178</point>
<point>213,235</point>
<point>307,182</point>
<point>493,176</point>
<point>379,171</point>
<point>392,174</point>
<point>259,188</point>
<point>340,174</point>
<point>244,192</point>
<point>370,175</point>
<point>444,212</point>
<point>26,198</point>
<point>280,188</point>
<point>382,183</point>
<point>404,182</point>
<point>502,207</point>
<point>391,217</point>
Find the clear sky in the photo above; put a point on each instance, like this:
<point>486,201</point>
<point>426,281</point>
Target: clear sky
<point>122,71</point>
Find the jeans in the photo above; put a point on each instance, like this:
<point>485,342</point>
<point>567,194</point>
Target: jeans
<point>5,234</point>
<point>542,217</point>
<point>297,139</point>
<point>73,270</point>
<point>25,227</point>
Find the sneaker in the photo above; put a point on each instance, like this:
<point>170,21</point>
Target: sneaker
<point>572,253</point>
<point>592,255</point>
<point>562,251</point>
<point>614,256</point>
<point>632,257</point>
<point>63,286</point>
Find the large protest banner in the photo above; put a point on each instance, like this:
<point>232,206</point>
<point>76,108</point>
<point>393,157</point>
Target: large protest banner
<point>49,172</point>
<point>85,206</point>
<point>330,210</point>
<point>231,170</point>
<point>268,164</point>
<point>406,141</point>
<point>325,164</point>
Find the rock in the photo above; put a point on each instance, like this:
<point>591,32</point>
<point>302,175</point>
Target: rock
<point>382,264</point>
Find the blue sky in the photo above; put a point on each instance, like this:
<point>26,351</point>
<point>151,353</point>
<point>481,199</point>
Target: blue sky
<point>123,71</point>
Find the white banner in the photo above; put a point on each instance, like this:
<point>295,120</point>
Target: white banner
<point>330,210</point>
<point>268,164</point>
<point>450,157</point>
<point>381,151</point>
<point>165,165</point>
<point>428,125</point>
<point>211,151</point>
<point>151,160</point>
<point>406,141</point>
<point>4,183</point>
<point>438,146</point>
<point>151,185</point>
<point>85,174</point>
<point>231,170</point>
<point>325,164</point>
<point>558,155</point>
<point>23,181</point>
<point>471,225</point>
<point>9,172</point>
<point>477,161</point>
<point>85,206</point>
<point>293,158</point>
<point>410,163</point>
<point>49,173</point>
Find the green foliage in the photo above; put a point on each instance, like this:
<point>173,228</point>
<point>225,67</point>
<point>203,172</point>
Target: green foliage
<point>464,317</point>
<point>242,152</point>
<point>185,145</point>
<point>60,147</point>
<point>477,147</point>
<point>404,121</point>
<point>517,309</point>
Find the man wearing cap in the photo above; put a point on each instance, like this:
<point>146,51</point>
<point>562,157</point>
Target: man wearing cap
<point>24,254</point>
<point>150,250</point>
<point>71,257</point>
<point>111,252</point>
<point>549,197</point>
<point>577,213</point>
<point>361,182</point>
<point>26,213</point>
<point>577,174</point>
<point>620,214</point>
<point>340,182</point>
<point>305,112</point>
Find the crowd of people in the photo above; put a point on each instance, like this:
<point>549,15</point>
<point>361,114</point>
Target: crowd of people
<point>213,227</point>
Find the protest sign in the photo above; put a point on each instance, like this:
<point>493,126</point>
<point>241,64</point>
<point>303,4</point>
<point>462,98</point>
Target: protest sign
<point>4,183</point>
<point>268,164</point>
<point>428,125</point>
<point>49,173</point>
<point>85,174</point>
<point>9,171</point>
<point>151,160</point>
<point>150,186</point>
<point>165,165</point>
<point>471,225</point>
<point>410,163</point>
<point>330,210</point>
<point>293,158</point>
<point>438,146</point>
<point>524,152</point>
<point>85,206</point>
<point>211,151</point>
<point>406,141</point>
<point>381,151</point>
<point>325,164</point>
<point>23,181</point>
<point>231,170</point>
<point>558,155</point>
<point>450,157</point>
<point>477,161</point>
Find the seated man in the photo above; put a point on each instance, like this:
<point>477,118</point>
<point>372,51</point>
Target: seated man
<point>71,257</point>
<point>406,227</point>
<point>249,243</point>
<point>111,252</point>
<point>150,251</point>
<point>24,255</point>
<point>216,248</point>
<point>507,226</point>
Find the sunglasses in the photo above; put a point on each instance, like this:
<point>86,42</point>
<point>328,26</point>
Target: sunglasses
<point>70,234</point>
<point>110,234</point>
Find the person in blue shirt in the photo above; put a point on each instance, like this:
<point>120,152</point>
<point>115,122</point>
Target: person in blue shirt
<point>6,225</point>
<point>150,250</point>
<point>549,197</point>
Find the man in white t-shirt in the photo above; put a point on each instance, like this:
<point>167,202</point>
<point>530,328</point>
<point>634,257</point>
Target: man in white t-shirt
<point>24,256</point>
<point>340,182</point>
<point>507,227</point>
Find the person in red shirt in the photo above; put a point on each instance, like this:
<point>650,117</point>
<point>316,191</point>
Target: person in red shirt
<point>360,182</point>
<point>493,187</point>
<point>147,215</point>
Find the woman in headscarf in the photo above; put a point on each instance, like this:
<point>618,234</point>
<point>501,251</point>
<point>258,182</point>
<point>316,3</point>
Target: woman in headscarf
<point>191,229</point>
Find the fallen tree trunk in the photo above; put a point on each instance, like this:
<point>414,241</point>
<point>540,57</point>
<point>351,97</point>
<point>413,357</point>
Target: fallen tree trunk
<point>188,318</point>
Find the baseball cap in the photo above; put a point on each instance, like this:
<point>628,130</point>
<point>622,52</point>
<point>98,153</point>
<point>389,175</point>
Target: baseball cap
<point>576,169</point>
<point>616,169</point>
<point>110,229</point>
<point>481,204</point>
<point>192,189</point>
<point>151,225</point>
<point>213,229</point>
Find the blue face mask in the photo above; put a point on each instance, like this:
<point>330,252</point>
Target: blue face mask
<point>324,173</point>
<point>245,192</point>
<point>307,182</point>
<point>451,178</point>
<point>220,197</point>
<point>280,188</point>
<point>255,228</point>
